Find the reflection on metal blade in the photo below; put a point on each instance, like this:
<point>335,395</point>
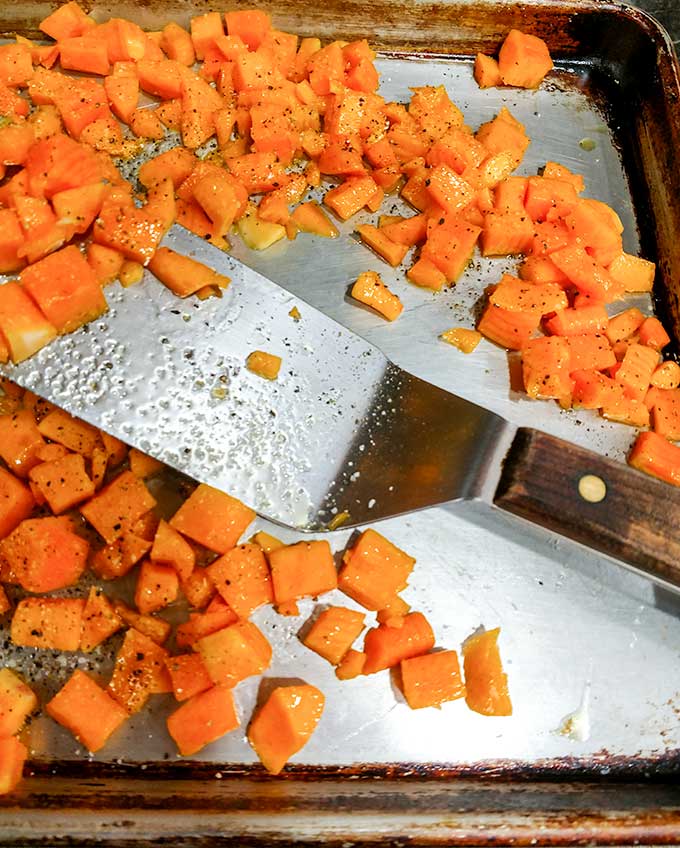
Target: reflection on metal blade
<point>168,376</point>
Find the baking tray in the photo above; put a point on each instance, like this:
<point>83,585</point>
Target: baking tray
<point>581,638</point>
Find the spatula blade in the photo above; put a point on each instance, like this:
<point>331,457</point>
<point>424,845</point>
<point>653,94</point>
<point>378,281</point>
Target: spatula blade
<point>341,429</point>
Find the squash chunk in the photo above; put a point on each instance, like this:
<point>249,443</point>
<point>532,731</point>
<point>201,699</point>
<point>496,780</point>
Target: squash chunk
<point>284,724</point>
<point>374,571</point>
<point>235,652</point>
<point>431,679</point>
<point>87,710</point>
<point>485,681</point>
<point>212,518</point>
<point>306,568</point>
<point>333,633</point>
<point>17,702</point>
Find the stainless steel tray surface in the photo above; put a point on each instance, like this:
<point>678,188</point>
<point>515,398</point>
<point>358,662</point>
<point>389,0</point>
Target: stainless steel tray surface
<point>591,651</point>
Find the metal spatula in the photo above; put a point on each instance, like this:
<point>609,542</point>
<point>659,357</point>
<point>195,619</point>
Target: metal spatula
<point>342,430</point>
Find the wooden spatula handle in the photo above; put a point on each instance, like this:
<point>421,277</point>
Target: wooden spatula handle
<point>603,504</point>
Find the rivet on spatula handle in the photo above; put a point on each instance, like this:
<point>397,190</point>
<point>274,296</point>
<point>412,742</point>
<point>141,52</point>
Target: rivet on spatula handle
<point>593,500</point>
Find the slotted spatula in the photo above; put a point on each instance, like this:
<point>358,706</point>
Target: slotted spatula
<point>342,430</point>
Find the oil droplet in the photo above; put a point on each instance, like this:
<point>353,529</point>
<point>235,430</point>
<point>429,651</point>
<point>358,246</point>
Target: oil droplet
<point>587,144</point>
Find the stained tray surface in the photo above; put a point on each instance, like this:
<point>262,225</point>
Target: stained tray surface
<point>579,635</point>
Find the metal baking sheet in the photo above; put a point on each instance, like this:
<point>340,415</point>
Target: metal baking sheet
<point>591,651</point>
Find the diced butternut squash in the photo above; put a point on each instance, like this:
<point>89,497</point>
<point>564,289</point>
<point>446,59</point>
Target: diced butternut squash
<point>655,455</point>
<point>333,632</point>
<point>302,569</point>
<point>464,339</point>
<point>87,710</point>
<point>139,671</point>
<point>54,623</point>
<point>284,724</point>
<point>13,754</point>
<point>117,558</point>
<point>154,628</point>
<point>170,548</point>
<point>16,502</point>
<point>242,578</point>
<point>100,620</point>
<point>114,509</point>
<point>431,679</point>
<point>64,483</point>
<point>370,290</point>
<point>374,571</point>
<point>188,674</point>
<point>212,518</point>
<point>72,433</point>
<point>17,702</point>
<point>351,665</point>
<point>202,719</point>
<point>486,684</point>
<point>24,327</point>
<point>157,586</point>
<point>387,646</point>
<point>235,653</point>
<point>45,554</point>
<point>523,60</point>
<point>264,364</point>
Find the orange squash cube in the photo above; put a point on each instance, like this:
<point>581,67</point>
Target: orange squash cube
<point>216,617</point>
<point>182,274</point>
<point>117,558</point>
<point>464,339</point>
<point>87,710</point>
<point>67,21</point>
<point>139,671</point>
<point>157,586</point>
<point>333,633</point>
<point>387,646</point>
<point>450,245</point>
<point>17,702</point>
<point>431,679</point>
<point>633,273</point>
<point>350,196</point>
<point>171,548</point>
<point>212,518</point>
<point>264,364</point>
<point>12,758</point>
<point>45,554</point>
<point>374,571</point>
<point>486,71</point>
<point>54,623</point>
<point>72,433</point>
<point>235,652</point>
<point>24,327</point>
<point>203,719</point>
<point>63,482</point>
<point>523,60</point>
<point>189,675</point>
<point>370,290</point>
<point>284,724</point>
<point>306,568</point>
<point>486,684</point>
<point>16,502</point>
<point>242,578</point>
<point>117,506</point>
<point>351,665</point>
<point>156,629</point>
<point>392,252</point>
<point>310,218</point>
<point>100,620</point>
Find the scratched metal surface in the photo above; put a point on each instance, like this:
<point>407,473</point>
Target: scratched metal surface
<point>578,633</point>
